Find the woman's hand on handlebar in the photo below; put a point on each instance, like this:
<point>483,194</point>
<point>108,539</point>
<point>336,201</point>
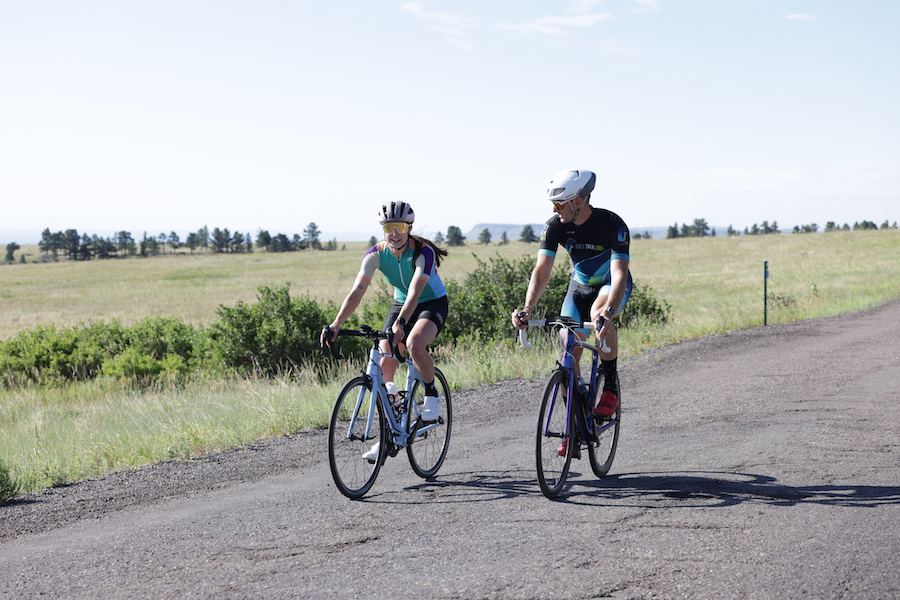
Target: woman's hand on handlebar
<point>329,335</point>
<point>398,330</point>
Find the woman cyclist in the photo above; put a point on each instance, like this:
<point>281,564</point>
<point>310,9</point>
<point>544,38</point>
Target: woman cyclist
<point>419,311</point>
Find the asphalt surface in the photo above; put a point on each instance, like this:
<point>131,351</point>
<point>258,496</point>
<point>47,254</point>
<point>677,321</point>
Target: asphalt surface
<point>759,464</point>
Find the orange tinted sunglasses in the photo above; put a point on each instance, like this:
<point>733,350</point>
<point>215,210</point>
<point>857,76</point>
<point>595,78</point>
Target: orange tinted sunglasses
<point>398,226</point>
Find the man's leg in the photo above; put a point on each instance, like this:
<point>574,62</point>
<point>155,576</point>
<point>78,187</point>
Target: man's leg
<point>609,397</point>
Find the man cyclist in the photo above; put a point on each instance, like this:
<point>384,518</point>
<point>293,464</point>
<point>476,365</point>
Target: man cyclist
<point>597,241</point>
<point>419,311</point>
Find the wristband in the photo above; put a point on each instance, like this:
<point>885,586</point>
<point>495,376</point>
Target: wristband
<point>402,321</point>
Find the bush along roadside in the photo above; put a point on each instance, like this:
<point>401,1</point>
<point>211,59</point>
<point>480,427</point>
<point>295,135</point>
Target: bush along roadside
<point>276,335</point>
<point>9,487</point>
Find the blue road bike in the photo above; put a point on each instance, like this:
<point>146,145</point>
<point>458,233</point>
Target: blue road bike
<point>364,414</point>
<point>560,419</point>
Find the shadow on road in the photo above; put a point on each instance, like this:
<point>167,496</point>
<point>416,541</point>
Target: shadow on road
<point>682,489</point>
<point>718,489</point>
<point>464,486</point>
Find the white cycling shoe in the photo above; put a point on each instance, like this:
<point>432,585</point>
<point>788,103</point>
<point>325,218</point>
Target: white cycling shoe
<point>372,455</point>
<point>431,409</point>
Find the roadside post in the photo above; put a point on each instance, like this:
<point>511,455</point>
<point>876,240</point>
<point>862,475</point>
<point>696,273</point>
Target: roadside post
<point>766,292</point>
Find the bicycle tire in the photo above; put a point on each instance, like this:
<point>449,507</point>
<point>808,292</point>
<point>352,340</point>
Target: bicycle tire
<point>427,452</point>
<point>607,442</point>
<point>353,475</point>
<point>552,469</point>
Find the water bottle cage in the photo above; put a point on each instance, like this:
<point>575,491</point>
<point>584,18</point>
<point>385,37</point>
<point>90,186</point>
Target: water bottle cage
<point>397,402</point>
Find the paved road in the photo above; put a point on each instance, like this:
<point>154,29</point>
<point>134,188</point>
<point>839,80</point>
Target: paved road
<point>759,464</point>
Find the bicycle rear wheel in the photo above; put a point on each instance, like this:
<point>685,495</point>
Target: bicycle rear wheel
<point>426,450</point>
<point>603,451</point>
<point>349,438</point>
<point>552,469</point>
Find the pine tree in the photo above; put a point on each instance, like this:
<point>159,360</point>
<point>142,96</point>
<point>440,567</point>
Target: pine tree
<point>10,252</point>
<point>527,235</point>
<point>311,235</point>
<point>455,236</point>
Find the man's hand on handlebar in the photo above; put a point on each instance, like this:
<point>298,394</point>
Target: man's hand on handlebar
<point>603,324</point>
<point>520,317</point>
<point>599,326</point>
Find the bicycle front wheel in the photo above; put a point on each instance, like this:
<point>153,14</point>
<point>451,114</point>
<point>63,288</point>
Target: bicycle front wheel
<point>552,469</point>
<point>357,423</point>
<point>603,451</point>
<point>428,447</point>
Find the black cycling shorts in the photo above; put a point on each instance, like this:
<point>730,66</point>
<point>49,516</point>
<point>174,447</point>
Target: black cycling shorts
<point>579,299</point>
<point>433,310</point>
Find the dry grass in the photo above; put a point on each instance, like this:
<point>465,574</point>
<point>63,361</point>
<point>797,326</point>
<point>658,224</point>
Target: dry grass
<point>185,286</point>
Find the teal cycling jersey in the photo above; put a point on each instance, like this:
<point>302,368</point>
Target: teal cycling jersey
<point>399,272</point>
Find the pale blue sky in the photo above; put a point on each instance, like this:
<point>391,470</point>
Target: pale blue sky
<point>163,115</point>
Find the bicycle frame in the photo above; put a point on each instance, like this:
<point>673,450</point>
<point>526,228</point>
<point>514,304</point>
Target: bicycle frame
<point>588,430</point>
<point>400,433</point>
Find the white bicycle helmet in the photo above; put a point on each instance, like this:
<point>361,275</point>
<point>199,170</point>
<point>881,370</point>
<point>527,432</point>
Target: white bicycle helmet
<point>568,184</point>
<point>397,211</point>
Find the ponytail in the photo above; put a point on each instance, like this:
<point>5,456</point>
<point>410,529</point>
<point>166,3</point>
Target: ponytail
<point>419,242</point>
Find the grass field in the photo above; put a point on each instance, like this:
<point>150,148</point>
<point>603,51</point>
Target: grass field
<point>50,436</point>
<point>714,284</point>
<point>190,287</point>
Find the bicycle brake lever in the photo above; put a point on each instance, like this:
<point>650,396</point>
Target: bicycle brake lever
<point>598,325</point>
<point>395,351</point>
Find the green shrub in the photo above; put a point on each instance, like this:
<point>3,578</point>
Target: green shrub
<point>46,354</point>
<point>159,337</point>
<point>144,350</point>
<point>9,487</point>
<point>133,365</point>
<point>278,334</point>
<point>644,308</point>
<point>273,336</point>
<point>480,306</point>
